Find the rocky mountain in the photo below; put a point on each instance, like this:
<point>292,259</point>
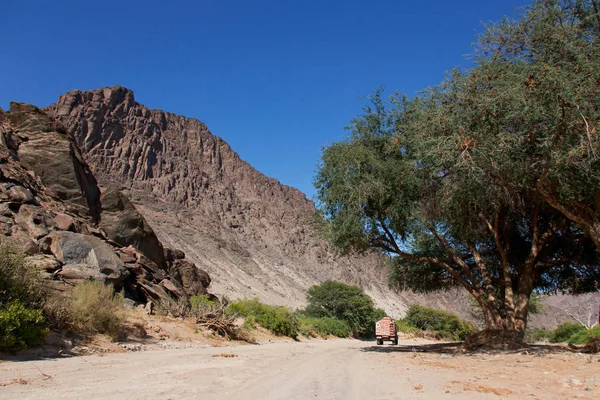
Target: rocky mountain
<point>248,231</point>
<point>52,208</point>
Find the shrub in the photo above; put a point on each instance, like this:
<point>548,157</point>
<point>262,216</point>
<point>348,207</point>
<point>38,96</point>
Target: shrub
<point>537,335</point>
<point>407,328</point>
<point>20,326</point>
<point>18,281</point>
<point>312,327</point>
<point>202,301</point>
<point>345,302</point>
<point>443,323</point>
<point>585,336</point>
<point>95,308</point>
<point>565,331</point>
<point>249,322</point>
<point>278,320</point>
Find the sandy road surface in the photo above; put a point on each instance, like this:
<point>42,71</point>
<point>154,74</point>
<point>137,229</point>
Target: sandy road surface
<point>317,369</point>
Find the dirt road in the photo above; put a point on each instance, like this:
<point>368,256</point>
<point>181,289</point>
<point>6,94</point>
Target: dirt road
<point>316,369</point>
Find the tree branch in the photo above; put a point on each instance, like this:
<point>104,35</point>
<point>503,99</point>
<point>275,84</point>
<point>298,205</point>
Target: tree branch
<point>459,261</point>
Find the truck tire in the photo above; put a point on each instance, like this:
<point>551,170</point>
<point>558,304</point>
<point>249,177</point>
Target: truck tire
<point>395,341</point>
<point>379,342</point>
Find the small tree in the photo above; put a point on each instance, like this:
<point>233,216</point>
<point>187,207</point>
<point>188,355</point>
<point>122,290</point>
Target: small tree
<point>345,302</point>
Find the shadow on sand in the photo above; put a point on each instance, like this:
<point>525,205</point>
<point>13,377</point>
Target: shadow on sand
<point>457,348</point>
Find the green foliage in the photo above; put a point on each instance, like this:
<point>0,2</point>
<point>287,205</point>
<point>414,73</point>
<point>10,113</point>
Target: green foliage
<point>407,328</point>
<point>95,308</point>
<point>278,320</point>
<point>442,323</point>
<point>487,178</point>
<point>18,281</point>
<point>202,301</point>
<point>348,303</point>
<point>537,335</point>
<point>325,326</point>
<point>584,336</point>
<point>20,327</point>
<point>564,332</point>
<point>249,322</point>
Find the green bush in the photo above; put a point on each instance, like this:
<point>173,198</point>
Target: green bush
<point>407,328</point>
<point>443,323</point>
<point>95,308</point>
<point>564,332</point>
<point>312,327</point>
<point>202,301</point>
<point>537,335</point>
<point>586,335</point>
<point>20,326</point>
<point>18,281</point>
<point>348,303</point>
<point>249,322</point>
<point>278,320</point>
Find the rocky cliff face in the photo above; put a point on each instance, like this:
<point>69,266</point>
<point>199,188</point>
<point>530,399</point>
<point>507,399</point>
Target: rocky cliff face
<point>247,230</point>
<point>52,209</point>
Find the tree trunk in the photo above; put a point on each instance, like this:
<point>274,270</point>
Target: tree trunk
<point>504,332</point>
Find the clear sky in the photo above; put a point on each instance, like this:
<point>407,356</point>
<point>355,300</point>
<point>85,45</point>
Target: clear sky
<point>276,79</point>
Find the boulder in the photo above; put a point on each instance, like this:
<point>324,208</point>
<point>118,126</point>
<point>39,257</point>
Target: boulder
<point>19,194</point>
<point>44,262</point>
<point>124,225</point>
<point>31,219</point>
<point>193,280</point>
<point>173,288</point>
<point>64,222</point>
<point>21,239</point>
<point>152,290</point>
<point>89,256</point>
<point>174,254</point>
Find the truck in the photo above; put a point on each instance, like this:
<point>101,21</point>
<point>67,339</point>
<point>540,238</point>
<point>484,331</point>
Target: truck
<point>385,329</point>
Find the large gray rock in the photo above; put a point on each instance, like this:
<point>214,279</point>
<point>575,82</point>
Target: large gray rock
<point>87,257</point>
<point>44,147</point>
<point>124,225</point>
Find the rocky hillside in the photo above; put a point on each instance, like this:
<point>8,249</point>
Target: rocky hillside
<point>247,230</point>
<point>52,208</point>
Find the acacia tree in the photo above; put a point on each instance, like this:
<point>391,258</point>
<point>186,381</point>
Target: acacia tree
<point>448,184</point>
<point>544,68</point>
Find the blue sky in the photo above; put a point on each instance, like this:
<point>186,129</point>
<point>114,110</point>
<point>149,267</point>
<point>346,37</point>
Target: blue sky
<point>276,79</point>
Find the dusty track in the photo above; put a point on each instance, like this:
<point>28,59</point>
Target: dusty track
<point>318,369</point>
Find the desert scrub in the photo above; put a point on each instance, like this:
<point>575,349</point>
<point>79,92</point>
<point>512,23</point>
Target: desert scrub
<point>202,301</point>
<point>278,320</point>
<point>95,308</point>
<point>585,336</point>
<point>564,332</point>
<point>333,299</point>
<point>20,327</point>
<point>22,293</point>
<point>537,335</point>
<point>407,328</point>
<point>18,280</point>
<point>444,324</point>
<point>323,327</point>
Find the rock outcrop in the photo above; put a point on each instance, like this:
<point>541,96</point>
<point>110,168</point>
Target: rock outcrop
<point>125,225</point>
<point>52,209</point>
<point>44,147</point>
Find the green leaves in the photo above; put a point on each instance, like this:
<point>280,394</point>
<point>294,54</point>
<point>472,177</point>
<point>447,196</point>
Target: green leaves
<point>333,299</point>
<point>490,179</point>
